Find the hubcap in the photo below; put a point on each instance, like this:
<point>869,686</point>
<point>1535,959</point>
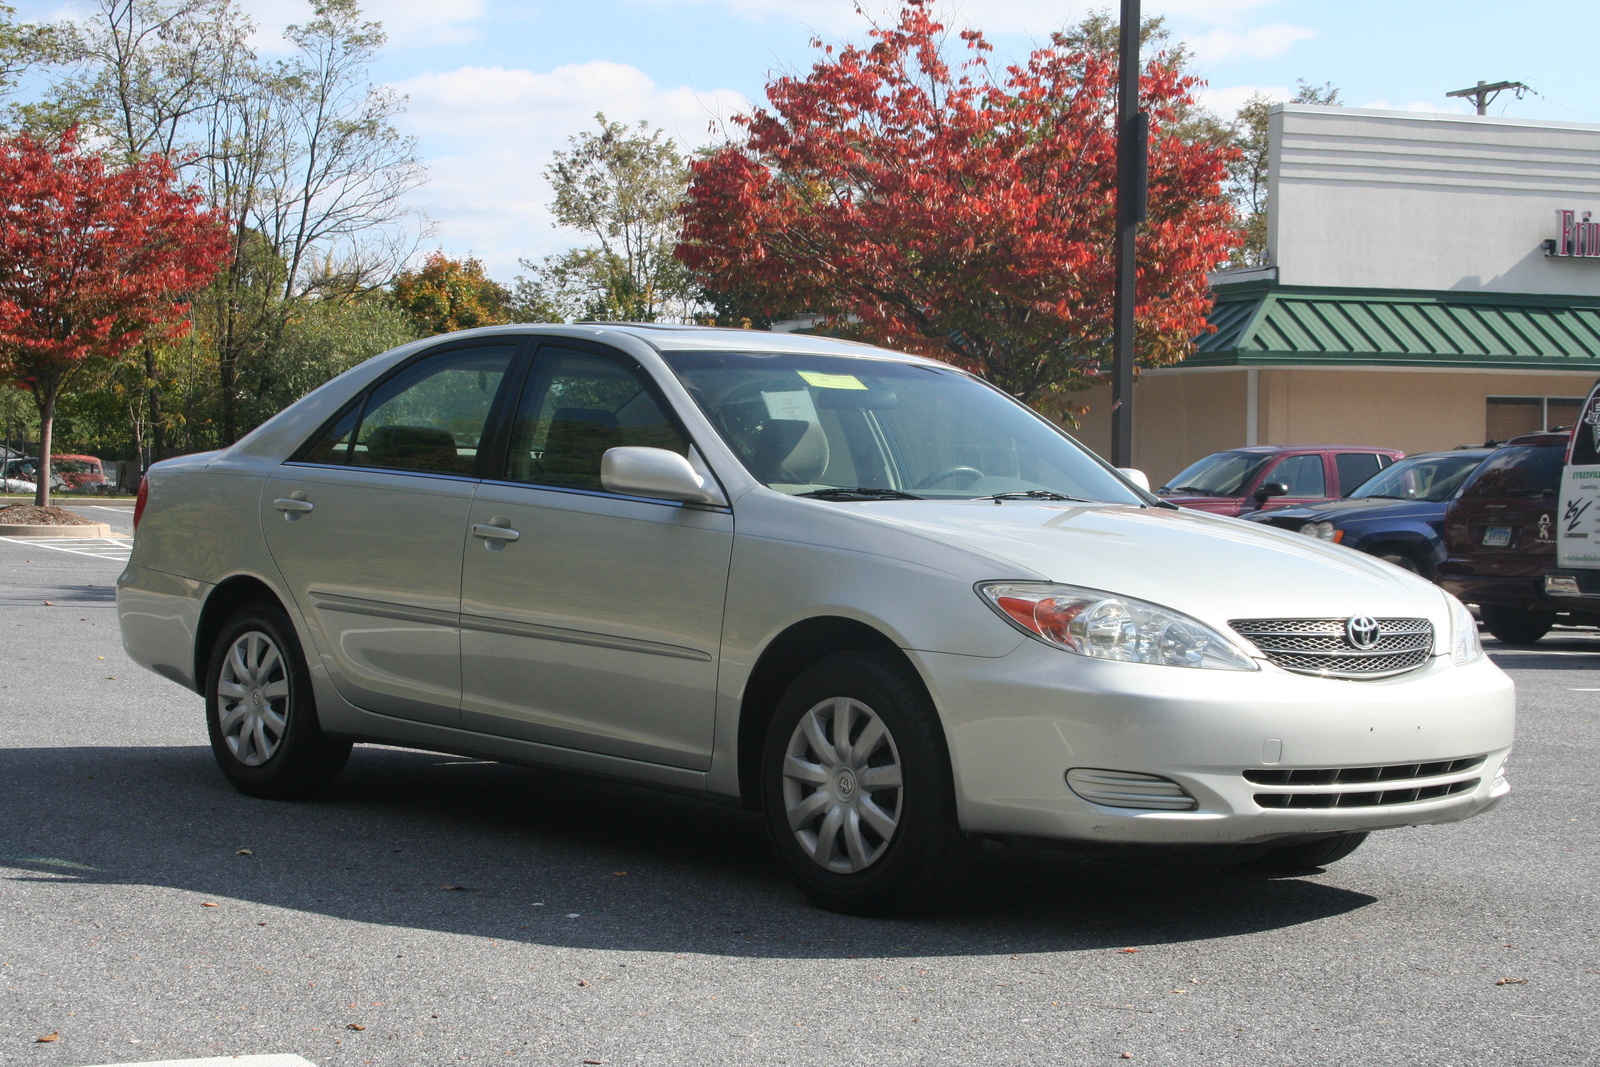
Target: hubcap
<point>841,785</point>
<point>253,698</point>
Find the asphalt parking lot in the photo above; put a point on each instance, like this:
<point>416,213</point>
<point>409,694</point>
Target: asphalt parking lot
<point>435,910</point>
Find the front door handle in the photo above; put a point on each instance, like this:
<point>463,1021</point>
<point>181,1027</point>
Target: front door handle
<point>494,533</point>
<point>287,505</point>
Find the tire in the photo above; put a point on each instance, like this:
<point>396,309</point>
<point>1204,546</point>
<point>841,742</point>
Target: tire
<point>1308,854</point>
<point>1401,560</point>
<point>1515,626</point>
<point>883,838</point>
<point>260,711</point>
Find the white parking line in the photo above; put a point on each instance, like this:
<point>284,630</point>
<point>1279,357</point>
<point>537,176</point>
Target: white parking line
<point>117,549</point>
<point>282,1060</point>
<point>1539,652</point>
<point>110,507</point>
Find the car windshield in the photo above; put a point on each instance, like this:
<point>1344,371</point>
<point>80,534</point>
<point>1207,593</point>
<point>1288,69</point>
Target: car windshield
<point>1432,478</point>
<point>847,428</point>
<point>1219,474</point>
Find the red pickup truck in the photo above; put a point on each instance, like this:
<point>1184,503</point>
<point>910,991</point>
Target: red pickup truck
<point>1258,477</point>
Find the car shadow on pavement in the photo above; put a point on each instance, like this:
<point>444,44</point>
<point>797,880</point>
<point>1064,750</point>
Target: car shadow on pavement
<point>60,595</point>
<point>417,840</point>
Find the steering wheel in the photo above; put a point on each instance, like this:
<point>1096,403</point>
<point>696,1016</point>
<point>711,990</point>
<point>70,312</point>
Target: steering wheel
<point>949,472</point>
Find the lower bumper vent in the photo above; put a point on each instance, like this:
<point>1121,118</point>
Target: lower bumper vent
<point>1125,789</point>
<point>1401,783</point>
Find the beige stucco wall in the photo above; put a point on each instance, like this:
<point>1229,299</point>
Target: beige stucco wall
<point>1181,415</point>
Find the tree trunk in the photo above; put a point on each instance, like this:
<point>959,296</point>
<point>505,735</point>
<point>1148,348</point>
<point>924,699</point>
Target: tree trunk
<point>158,433</point>
<point>47,421</point>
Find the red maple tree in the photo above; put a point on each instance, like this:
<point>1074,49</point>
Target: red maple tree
<point>964,213</point>
<point>94,260</point>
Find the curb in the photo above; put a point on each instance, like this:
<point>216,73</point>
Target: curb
<point>93,529</point>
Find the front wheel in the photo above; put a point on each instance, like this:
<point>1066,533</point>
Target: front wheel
<point>260,712</point>
<point>858,792</point>
<point>1514,626</point>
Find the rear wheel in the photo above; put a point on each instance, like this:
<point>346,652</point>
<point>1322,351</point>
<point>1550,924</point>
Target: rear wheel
<point>1515,626</point>
<point>1308,854</point>
<point>260,712</point>
<point>858,792</point>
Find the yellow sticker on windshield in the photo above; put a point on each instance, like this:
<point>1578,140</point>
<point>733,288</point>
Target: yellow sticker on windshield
<point>831,381</point>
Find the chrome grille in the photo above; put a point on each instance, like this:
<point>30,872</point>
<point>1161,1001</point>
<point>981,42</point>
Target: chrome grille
<point>1320,646</point>
<point>1330,787</point>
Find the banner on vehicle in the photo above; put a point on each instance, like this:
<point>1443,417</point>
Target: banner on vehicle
<point>1578,527</point>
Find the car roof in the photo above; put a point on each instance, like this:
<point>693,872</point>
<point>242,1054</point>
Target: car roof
<point>671,337</point>
<point>1272,449</point>
<point>1546,437</point>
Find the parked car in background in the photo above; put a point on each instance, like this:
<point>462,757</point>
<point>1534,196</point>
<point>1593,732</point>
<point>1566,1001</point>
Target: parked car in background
<point>1274,476</point>
<point>1396,515</point>
<point>1500,536</point>
<point>79,473</point>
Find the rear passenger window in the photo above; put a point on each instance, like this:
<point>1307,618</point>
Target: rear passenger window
<point>1519,470</point>
<point>431,417</point>
<point>1355,468</point>
<point>1302,474</point>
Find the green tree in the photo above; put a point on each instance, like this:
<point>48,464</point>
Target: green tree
<point>1247,174</point>
<point>450,294</point>
<point>622,187</point>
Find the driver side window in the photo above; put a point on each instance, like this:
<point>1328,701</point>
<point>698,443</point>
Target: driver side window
<point>1302,474</point>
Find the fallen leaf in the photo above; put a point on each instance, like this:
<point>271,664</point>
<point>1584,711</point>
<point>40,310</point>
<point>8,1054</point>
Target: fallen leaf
<point>49,605</point>
<point>618,874</point>
<point>354,1026</point>
<point>54,1035</point>
<point>207,904</point>
<point>1126,1056</point>
<point>583,981</point>
<point>452,887</point>
<point>593,1062</point>
<point>261,924</point>
<point>1512,981</point>
<point>244,852</point>
<point>1126,951</point>
<point>572,915</point>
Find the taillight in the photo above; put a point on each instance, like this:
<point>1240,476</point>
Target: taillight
<point>140,501</point>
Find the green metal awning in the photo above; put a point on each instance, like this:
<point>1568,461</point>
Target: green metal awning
<point>1264,324</point>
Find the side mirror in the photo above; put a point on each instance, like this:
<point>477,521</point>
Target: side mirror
<point>657,473</point>
<point>1137,477</point>
<point>1269,490</point>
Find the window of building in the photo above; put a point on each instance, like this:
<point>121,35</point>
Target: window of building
<point>1511,416</point>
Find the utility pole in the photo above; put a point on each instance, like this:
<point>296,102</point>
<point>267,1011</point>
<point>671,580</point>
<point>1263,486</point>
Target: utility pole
<point>1133,197</point>
<point>1483,93</point>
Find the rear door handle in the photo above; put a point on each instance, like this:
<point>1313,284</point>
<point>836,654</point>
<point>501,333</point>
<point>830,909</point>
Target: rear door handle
<point>288,505</point>
<point>494,533</point>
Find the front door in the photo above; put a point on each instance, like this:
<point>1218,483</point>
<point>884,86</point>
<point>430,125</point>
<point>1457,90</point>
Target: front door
<point>367,524</point>
<point>590,620</point>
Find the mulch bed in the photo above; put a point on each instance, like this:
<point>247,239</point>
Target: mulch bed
<point>29,515</point>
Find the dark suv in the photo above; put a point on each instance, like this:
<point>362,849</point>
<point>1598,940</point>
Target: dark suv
<point>1500,533</point>
<point>1262,476</point>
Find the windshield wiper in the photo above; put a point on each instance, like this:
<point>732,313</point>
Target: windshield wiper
<point>860,493</point>
<point>1187,489</point>
<point>1034,494</point>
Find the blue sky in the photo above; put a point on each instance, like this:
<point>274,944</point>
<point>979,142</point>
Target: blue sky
<point>496,85</point>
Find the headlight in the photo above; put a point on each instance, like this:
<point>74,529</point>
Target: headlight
<point>1104,626</point>
<point>1465,647</point>
<point>1322,531</point>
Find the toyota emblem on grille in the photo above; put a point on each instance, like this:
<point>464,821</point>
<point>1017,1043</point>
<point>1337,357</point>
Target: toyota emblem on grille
<point>1362,632</point>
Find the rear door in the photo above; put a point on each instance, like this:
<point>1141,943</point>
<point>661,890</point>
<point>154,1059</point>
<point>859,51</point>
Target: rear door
<point>1505,518</point>
<point>367,524</point>
<point>1353,468</point>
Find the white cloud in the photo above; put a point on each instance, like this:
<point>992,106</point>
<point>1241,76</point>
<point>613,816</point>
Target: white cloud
<point>408,23</point>
<point>488,133</point>
<point>1227,100</point>
<point>1260,42</point>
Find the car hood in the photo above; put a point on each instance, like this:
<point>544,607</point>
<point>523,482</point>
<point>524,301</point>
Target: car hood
<point>1213,567</point>
<point>1339,510</point>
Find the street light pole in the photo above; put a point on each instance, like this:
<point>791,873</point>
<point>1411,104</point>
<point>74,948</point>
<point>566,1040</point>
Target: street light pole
<point>1133,195</point>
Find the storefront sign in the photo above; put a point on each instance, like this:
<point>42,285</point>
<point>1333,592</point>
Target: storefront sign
<point>1579,238</point>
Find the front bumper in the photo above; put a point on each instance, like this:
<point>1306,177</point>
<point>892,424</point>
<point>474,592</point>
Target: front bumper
<point>1018,723</point>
